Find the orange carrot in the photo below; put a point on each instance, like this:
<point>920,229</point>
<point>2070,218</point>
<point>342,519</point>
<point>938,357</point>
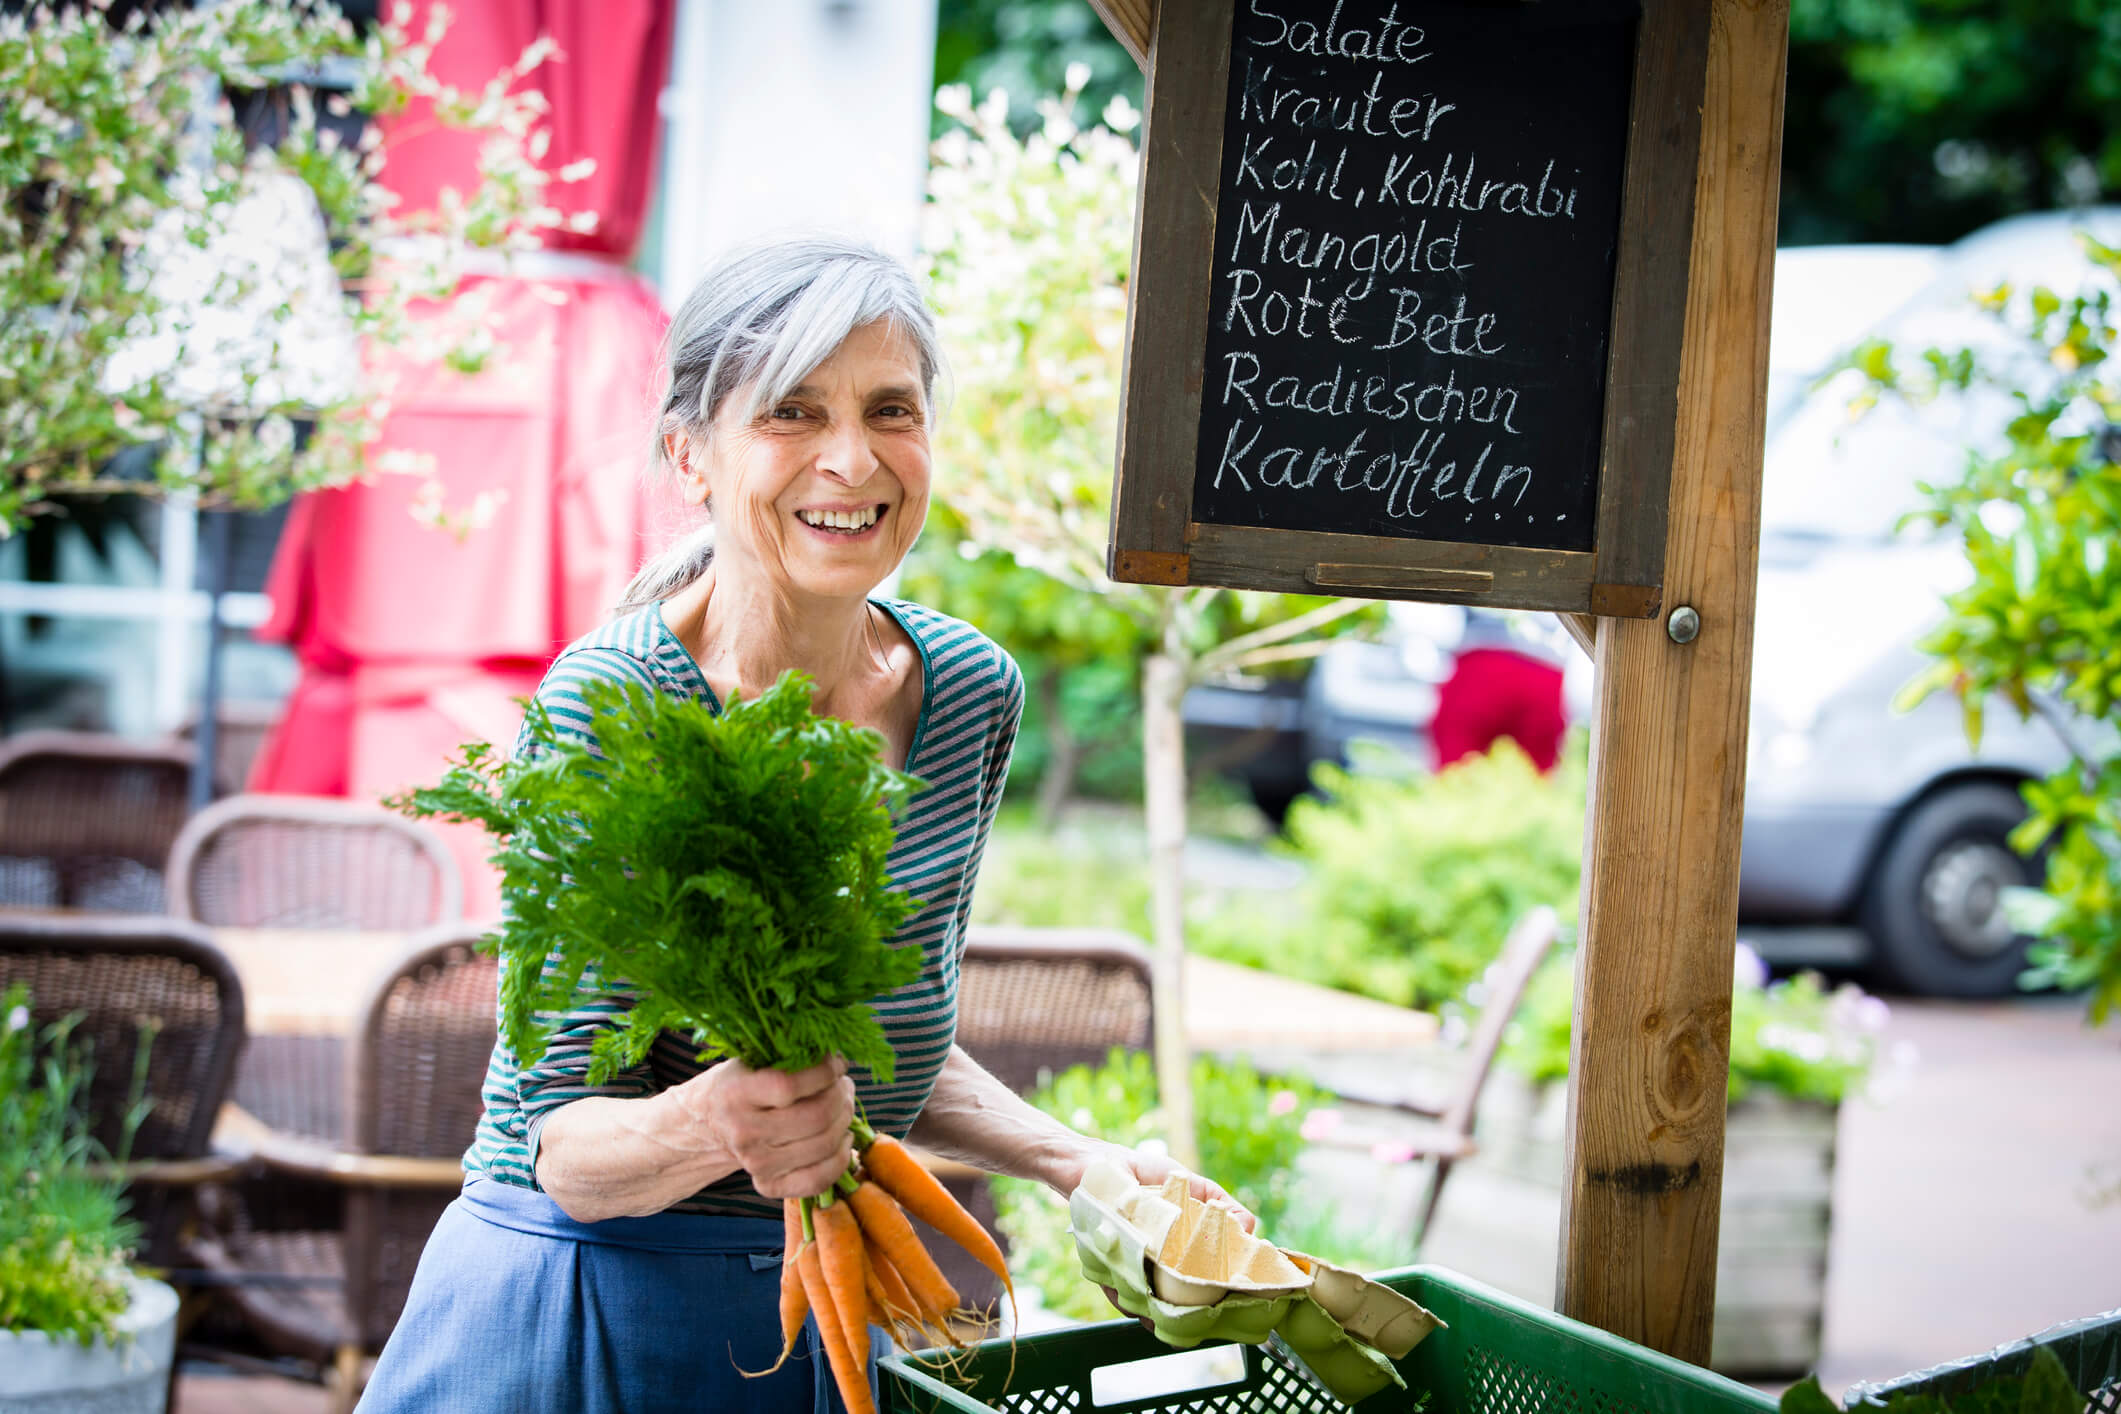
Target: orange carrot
<point>884,1224</point>
<point>897,1297</point>
<point>898,1173</point>
<point>850,1374</point>
<point>880,1312</point>
<point>794,1303</point>
<point>840,1255</point>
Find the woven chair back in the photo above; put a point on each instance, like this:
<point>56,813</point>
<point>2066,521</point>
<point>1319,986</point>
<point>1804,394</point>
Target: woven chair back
<point>264,861</point>
<point>418,1068</point>
<point>1034,1001</point>
<point>119,973</point>
<point>87,820</point>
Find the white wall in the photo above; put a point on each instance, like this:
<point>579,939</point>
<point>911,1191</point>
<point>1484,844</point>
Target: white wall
<point>794,114</point>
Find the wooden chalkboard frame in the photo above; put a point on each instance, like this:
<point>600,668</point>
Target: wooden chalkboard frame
<point>1154,539</point>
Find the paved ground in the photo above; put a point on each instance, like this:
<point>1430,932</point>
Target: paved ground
<point>1966,1212</point>
<point>1969,1210</point>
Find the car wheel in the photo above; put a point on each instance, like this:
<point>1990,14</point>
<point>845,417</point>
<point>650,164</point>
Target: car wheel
<point>1934,904</point>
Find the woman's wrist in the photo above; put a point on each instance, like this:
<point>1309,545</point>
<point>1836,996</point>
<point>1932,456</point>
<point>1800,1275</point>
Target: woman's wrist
<point>1062,1166</point>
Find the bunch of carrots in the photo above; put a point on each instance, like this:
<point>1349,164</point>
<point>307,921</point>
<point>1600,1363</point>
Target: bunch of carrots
<point>853,1258</point>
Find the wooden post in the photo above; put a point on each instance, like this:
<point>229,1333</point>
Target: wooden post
<point>1164,774</point>
<point>1650,1054</point>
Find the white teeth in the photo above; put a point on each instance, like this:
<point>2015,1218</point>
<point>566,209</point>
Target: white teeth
<point>840,520</point>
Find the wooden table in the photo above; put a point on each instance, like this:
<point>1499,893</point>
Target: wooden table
<point>305,994</point>
<point>305,982</point>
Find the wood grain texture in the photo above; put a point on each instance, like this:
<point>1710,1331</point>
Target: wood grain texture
<point>1259,557</point>
<point>1389,578</point>
<point>1648,324</point>
<point>1130,22</point>
<point>1174,257</point>
<point>1650,1050</point>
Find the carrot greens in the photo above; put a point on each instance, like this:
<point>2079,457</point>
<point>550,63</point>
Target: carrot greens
<point>728,869</point>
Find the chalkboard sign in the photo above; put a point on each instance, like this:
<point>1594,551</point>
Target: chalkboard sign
<point>1409,282</point>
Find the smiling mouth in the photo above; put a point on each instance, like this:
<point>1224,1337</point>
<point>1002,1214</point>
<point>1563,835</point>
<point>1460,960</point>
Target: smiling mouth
<point>842,522</point>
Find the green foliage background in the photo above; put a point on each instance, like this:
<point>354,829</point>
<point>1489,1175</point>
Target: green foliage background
<point>1414,880</point>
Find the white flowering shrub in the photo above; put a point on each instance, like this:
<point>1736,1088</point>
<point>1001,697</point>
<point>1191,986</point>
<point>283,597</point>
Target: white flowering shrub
<point>165,291</point>
<point>1028,246</point>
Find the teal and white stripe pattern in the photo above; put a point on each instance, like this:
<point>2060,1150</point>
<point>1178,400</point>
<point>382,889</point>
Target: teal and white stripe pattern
<point>972,699</point>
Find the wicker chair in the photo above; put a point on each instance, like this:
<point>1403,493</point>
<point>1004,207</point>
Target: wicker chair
<point>332,1295</point>
<point>1032,1002</point>
<point>294,862</point>
<point>240,732</point>
<point>86,820</point>
<point>115,972</point>
<point>276,861</point>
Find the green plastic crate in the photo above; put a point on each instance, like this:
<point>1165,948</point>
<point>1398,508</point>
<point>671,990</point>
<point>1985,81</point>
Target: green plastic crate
<point>1498,1356</point>
<point>2090,1352</point>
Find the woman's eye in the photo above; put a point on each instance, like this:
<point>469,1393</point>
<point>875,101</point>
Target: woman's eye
<point>787,412</point>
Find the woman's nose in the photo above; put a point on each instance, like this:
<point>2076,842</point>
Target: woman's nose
<point>847,455</point>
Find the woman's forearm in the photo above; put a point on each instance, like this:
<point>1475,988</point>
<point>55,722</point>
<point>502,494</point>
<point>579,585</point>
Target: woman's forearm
<point>975,1119</point>
<point>609,1158</point>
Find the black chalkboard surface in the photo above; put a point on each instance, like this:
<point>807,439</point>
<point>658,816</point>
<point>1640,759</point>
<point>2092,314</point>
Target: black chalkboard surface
<point>1414,252</point>
<point>1409,300</point>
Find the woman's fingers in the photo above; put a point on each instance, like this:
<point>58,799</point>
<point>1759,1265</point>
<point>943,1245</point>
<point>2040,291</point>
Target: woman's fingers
<point>1153,1169</point>
<point>787,1129</point>
<point>806,1180</point>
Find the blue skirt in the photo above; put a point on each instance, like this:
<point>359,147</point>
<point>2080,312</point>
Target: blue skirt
<point>518,1308</point>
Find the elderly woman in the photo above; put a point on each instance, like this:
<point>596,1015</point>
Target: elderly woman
<point>616,1247</point>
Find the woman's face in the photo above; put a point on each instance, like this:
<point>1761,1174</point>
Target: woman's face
<point>826,492</point>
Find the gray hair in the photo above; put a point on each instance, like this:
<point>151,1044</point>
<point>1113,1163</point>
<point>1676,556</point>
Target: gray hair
<point>762,318</point>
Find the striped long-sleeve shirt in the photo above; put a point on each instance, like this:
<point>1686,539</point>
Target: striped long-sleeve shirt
<point>972,696</point>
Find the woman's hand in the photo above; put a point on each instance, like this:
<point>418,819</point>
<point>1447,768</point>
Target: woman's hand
<point>1150,1170</point>
<point>787,1129</point>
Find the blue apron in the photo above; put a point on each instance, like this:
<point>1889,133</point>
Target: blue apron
<point>517,1308</point>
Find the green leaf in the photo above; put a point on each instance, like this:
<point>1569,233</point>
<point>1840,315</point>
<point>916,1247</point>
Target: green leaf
<point>2025,562</point>
<point>2047,1387</point>
<point>1918,688</point>
<point>1806,1397</point>
<point>2031,912</point>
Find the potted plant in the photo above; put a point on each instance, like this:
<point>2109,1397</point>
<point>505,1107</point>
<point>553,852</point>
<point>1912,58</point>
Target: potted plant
<point>79,1330</point>
<point>1798,1049</point>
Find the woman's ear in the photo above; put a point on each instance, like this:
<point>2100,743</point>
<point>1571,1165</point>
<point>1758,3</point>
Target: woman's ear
<point>687,465</point>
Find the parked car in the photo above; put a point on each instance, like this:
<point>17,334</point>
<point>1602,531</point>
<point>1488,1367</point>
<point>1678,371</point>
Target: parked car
<point>1872,838</point>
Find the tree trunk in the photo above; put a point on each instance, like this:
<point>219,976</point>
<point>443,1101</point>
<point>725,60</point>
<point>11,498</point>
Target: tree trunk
<point>1164,783</point>
<point>1064,753</point>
